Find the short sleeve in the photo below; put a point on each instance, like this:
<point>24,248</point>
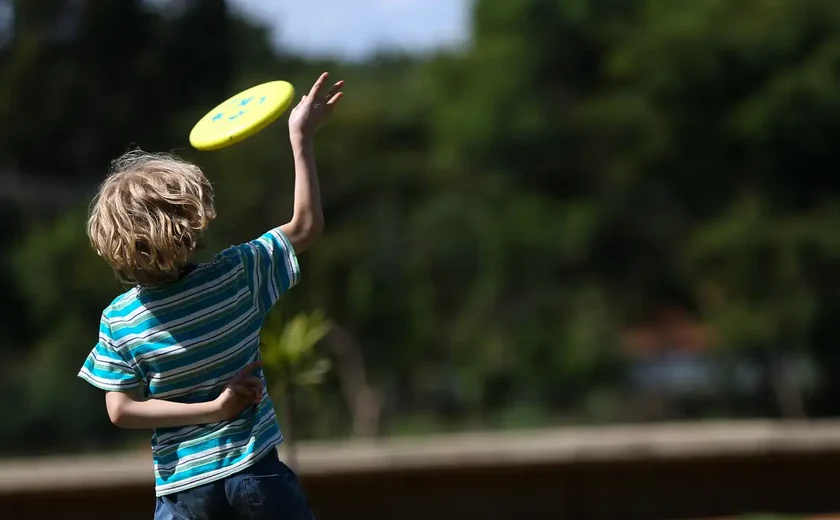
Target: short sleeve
<point>271,267</point>
<point>105,368</point>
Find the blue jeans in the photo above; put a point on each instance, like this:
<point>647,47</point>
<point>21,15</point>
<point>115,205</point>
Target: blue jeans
<point>266,490</point>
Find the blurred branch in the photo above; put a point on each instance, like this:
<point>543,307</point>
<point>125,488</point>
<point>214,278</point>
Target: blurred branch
<point>364,401</point>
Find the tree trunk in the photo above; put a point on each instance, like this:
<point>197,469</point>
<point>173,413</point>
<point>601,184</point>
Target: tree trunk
<point>788,396</point>
<point>288,427</point>
<point>363,400</point>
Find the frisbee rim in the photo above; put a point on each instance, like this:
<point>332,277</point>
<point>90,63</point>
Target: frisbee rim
<point>209,142</point>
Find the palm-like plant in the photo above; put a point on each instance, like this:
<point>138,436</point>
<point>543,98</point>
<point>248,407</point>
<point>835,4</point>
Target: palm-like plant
<point>292,362</point>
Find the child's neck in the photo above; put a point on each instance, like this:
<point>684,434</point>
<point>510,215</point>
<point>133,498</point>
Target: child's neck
<point>187,269</point>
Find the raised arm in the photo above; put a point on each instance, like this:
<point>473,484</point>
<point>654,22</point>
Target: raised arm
<point>130,410</point>
<point>307,221</point>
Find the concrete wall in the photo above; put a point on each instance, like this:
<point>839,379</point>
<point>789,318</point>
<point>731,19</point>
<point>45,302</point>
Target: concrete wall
<point>665,472</point>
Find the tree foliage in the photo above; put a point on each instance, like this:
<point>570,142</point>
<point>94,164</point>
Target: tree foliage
<point>496,216</point>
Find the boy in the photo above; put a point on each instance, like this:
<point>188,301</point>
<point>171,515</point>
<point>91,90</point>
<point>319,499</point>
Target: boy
<point>179,352</point>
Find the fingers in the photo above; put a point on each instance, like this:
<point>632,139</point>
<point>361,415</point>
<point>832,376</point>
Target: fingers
<point>246,372</point>
<point>251,389</point>
<point>255,388</point>
<point>316,88</point>
<point>334,90</point>
<point>255,384</point>
<point>240,390</point>
<point>333,101</point>
<point>243,375</point>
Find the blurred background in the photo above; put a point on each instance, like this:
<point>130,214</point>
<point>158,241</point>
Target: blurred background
<point>543,217</point>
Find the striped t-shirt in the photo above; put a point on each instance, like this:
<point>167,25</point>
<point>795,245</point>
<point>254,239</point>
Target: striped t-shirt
<point>183,342</point>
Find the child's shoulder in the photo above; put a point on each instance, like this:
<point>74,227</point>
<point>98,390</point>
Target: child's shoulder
<point>121,304</point>
<point>120,310</point>
<point>230,254</point>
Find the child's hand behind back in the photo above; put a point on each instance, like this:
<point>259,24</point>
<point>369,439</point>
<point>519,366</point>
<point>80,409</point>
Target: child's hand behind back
<point>314,108</point>
<point>241,392</point>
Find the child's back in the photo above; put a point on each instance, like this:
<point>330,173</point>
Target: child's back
<point>183,341</point>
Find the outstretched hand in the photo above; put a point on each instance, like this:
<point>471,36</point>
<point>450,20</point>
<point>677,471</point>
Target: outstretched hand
<point>314,108</point>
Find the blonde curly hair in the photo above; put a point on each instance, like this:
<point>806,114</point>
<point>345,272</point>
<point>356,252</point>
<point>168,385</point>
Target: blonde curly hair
<point>149,216</point>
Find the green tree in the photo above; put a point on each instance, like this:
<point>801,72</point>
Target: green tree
<point>292,364</point>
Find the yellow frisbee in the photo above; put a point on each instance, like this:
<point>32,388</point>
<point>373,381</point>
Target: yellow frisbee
<point>242,116</point>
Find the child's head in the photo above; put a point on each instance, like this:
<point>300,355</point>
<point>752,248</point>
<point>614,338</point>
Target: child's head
<point>149,216</point>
